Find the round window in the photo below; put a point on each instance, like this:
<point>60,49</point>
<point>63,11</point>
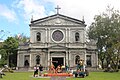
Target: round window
<point>57,35</point>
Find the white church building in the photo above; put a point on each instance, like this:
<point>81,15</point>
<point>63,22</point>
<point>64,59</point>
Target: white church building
<point>57,39</point>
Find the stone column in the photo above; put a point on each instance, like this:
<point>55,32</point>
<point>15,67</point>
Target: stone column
<point>69,59</point>
<point>92,59</point>
<point>66,34</point>
<point>30,60</point>
<point>85,57</point>
<point>46,34</point>
<point>48,60</point>
<point>18,59</point>
<point>66,58</point>
<point>96,59</point>
<point>34,36</point>
<point>69,35</point>
<point>21,60</point>
<point>49,35</point>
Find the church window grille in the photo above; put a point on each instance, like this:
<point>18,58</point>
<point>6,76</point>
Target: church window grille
<point>77,36</point>
<point>37,59</point>
<point>77,59</point>
<point>38,36</point>
<point>57,35</point>
<point>88,60</point>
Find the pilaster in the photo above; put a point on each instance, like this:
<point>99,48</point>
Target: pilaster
<point>49,34</point>
<point>67,60</point>
<point>18,60</point>
<point>48,60</point>
<point>46,35</point>
<point>66,37</point>
<point>30,60</point>
<point>69,35</point>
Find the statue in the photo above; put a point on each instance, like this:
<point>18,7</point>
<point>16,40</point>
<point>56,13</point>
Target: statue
<point>80,65</point>
<point>52,68</point>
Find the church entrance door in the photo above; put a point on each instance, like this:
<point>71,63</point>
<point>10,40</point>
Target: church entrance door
<point>26,60</point>
<point>57,61</point>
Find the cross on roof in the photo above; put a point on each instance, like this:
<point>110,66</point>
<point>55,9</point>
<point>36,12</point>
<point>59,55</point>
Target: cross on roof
<point>57,9</point>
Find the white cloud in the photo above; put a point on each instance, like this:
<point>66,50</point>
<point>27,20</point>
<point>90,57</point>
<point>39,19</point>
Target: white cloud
<point>9,14</point>
<point>87,8</point>
<point>73,8</point>
<point>31,8</point>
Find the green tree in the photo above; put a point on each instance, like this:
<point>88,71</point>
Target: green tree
<point>8,49</point>
<point>106,30</point>
<point>3,59</point>
<point>10,45</point>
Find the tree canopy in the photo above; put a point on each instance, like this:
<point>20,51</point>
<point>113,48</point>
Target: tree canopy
<point>106,30</point>
<point>9,47</point>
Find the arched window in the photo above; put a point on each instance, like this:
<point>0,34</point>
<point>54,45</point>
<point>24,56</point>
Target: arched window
<point>37,59</point>
<point>38,36</point>
<point>77,36</point>
<point>77,59</point>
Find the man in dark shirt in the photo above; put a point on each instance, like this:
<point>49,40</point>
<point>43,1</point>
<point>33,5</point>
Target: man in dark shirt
<point>41,69</point>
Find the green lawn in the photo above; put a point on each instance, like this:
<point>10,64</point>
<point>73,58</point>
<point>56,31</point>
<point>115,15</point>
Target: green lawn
<point>92,76</point>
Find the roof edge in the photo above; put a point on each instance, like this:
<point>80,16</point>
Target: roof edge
<point>58,15</point>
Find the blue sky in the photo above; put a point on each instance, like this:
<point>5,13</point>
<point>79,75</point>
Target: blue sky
<point>15,15</point>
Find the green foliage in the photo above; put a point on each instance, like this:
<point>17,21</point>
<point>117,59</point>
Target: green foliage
<point>8,48</point>
<point>3,53</point>
<point>106,30</point>
<point>10,45</point>
<point>3,59</point>
<point>2,62</point>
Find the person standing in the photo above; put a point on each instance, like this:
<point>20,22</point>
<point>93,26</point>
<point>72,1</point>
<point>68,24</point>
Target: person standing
<point>66,67</point>
<point>35,71</point>
<point>40,69</point>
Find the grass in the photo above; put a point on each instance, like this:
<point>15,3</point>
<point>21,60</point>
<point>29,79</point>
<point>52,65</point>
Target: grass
<point>92,76</point>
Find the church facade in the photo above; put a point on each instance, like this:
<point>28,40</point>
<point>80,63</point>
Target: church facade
<point>57,39</point>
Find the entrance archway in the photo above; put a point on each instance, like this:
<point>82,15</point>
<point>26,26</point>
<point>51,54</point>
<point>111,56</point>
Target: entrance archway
<point>57,61</point>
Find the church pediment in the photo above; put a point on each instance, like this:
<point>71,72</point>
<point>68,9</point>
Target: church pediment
<point>58,47</point>
<point>58,19</point>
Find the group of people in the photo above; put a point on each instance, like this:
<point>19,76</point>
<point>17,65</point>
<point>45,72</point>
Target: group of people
<point>38,70</point>
<point>59,69</point>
